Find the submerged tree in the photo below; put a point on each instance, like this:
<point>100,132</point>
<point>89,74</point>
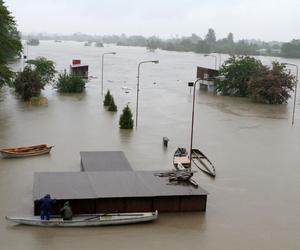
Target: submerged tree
<point>107,99</point>
<point>237,70</point>
<point>34,77</point>
<point>45,67</point>
<point>272,85</point>
<point>112,106</point>
<point>126,121</point>
<point>10,43</point>
<point>28,83</point>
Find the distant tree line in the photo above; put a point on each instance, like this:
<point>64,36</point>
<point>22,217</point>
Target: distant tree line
<point>33,42</point>
<point>291,49</point>
<point>193,43</point>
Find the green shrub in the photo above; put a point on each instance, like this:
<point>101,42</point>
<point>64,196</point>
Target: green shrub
<point>28,83</point>
<point>107,99</point>
<point>112,106</point>
<point>69,83</point>
<point>126,121</point>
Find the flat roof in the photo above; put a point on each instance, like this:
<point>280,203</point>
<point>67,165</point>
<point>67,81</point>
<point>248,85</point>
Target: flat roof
<point>104,161</point>
<point>79,65</point>
<point>108,184</point>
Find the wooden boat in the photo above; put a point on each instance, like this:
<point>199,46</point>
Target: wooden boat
<point>181,159</point>
<point>87,220</point>
<point>26,151</point>
<point>203,163</point>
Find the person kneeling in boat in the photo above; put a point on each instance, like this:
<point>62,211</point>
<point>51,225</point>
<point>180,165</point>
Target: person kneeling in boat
<point>46,204</point>
<point>66,211</point>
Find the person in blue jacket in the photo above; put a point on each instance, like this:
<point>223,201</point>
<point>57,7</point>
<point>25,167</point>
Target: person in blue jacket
<point>46,204</point>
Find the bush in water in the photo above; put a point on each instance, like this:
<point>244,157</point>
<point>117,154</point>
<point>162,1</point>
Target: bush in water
<point>69,83</point>
<point>28,83</point>
<point>112,106</point>
<point>126,121</point>
<point>107,99</point>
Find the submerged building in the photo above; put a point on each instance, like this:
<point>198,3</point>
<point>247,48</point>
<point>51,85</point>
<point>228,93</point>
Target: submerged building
<point>79,69</point>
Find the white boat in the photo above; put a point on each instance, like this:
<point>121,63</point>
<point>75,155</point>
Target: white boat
<point>126,88</point>
<point>87,220</point>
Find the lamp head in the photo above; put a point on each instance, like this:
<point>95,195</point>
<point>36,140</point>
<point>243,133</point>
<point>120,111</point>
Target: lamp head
<point>156,61</point>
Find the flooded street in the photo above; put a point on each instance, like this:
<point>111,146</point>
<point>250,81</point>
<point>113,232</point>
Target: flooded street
<point>253,203</point>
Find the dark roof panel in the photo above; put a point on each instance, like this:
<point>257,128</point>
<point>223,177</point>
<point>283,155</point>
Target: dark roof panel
<point>104,161</point>
<point>107,184</point>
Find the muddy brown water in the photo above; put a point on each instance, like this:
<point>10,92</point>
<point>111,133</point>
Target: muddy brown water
<point>254,201</point>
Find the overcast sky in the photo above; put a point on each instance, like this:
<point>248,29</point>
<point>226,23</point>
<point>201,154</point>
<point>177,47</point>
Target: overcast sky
<point>258,19</point>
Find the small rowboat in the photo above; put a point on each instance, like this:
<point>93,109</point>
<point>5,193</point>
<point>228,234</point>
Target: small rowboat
<point>87,220</point>
<point>203,163</point>
<point>25,151</point>
<point>181,159</point>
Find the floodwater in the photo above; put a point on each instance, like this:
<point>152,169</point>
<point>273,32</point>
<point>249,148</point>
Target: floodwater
<point>253,202</point>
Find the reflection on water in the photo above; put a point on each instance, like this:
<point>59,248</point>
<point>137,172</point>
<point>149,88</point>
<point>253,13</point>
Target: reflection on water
<point>253,202</point>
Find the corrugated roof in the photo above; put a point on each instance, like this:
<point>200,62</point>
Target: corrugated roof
<point>107,184</point>
<point>104,161</point>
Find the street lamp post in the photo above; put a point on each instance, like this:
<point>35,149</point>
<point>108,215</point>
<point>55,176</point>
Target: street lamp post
<point>138,89</point>
<point>24,56</point>
<point>27,57</point>
<point>107,53</point>
<point>193,114</point>
<point>295,96</point>
<point>216,59</point>
<point>22,61</point>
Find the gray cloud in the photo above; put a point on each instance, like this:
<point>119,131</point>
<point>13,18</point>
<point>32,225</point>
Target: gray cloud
<point>264,19</point>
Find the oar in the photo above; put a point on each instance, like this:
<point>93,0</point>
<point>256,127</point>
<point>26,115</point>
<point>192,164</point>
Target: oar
<point>120,214</point>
